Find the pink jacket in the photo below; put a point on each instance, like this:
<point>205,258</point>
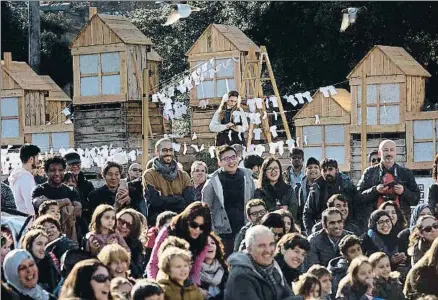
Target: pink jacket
<point>152,267</point>
<point>104,240</point>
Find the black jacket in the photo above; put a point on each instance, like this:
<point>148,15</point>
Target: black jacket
<point>49,274</point>
<point>390,289</point>
<point>433,196</point>
<point>84,188</point>
<point>319,194</point>
<point>367,187</point>
<point>138,261</point>
<point>290,274</point>
<point>281,194</point>
<point>61,245</point>
<point>104,195</point>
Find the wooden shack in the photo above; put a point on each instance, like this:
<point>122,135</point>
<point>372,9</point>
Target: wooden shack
<point>331,136</point>
<point>109,55</point>
<point>31,108</point>
<point>394,93</point>
<point>222,43</point>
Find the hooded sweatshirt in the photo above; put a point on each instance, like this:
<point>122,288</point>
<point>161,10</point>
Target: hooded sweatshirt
<point>338,267</point>
<point>244,282</point>
<point>22,183</point>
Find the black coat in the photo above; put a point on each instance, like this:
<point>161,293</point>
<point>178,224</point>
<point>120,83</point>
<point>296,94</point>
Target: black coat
<point>281,194</point>
<point>138,258</point>
<point>433,196</point>
<point>49,274</point>
<point>84,188</point>
<point>59,246</point>
<point>290,274</point>
<point>367,187</point>
<point>390,289</point>
<point>104,195</point>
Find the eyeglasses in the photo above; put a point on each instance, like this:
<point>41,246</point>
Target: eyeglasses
<point>122,222</point>
<point>164,150</point>
<point>296,157</point>
<point>270,170</point>
<point>136,170</point>
<point>100,278</point>
<point>195,225</point>
<point>229,158</point>
<point>428,229</point>
<point>381,222</point>
<point>259,213</point>
<point>375,160</point>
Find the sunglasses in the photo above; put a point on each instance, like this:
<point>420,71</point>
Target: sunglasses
<point>375,160</point>
<point>100,278</point>
<point>136,170</point>
<point>122,222</point>
<point>195,225</point>
<point>428,229</point>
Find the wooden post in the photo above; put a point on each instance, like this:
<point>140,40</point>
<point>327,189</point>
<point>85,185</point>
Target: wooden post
<point>34,30</point>
<point>145,119</point>
<point>91,12</point>
<point>363,127</point>
<point>7,57</point>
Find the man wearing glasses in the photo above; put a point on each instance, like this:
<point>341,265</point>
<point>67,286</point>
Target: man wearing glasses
<point>295,173</point>
<point>134,172</point>
<point>387,181</point>
<point>226,192</point>
<point>166,187</point>
<point>373,158</point>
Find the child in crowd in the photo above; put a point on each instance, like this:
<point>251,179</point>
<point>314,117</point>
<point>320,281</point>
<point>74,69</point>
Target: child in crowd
<point>175,263</point>
<point>146,289</point>
<point>50,207</point>
<point>349,246</point>
<point>162,219</point>
<point>121,286</point>
<point>103,230</point>
<point>325,279</point>
<point>387,282</point>
<point>359,282</point>
<point>308,287</point>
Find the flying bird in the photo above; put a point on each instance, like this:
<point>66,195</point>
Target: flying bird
<point>349,16</point>
<point>179,11</point>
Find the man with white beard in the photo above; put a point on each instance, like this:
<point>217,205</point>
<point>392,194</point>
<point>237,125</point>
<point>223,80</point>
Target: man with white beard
<point>386,181</point>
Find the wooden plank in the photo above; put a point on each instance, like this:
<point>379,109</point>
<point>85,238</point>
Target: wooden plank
<point>98,49</point>
<point>99,99</point>
<point>42,108</point>
<point>323,121</point>
<point>207,56</point>
<point>363,126</point>
<point>12,93</point>
<point>379,128</point>
<point>12,141</point>
<point>424,115</point>
<point>424,165</point>
<point>48,128</point>
<point>380,79</point>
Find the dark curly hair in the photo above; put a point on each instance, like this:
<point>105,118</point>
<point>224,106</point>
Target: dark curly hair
<point>180,225</point>
<point>54,160</point>
<point>220,250</point>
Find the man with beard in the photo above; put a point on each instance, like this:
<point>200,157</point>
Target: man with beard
<point>313,172</point>
<point>324,244</point>
<point>255,210</point>
<point>84,187</point>
<point>386,181</point>
<point>54,189</point>
<point>294,174</point>
<point>226,192</point>
<point>22,181</point>
<point>331,182</point>
<point>165,186</point>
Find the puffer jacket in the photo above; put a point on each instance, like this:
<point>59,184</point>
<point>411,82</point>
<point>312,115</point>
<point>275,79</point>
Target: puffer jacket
<point>338,267</point>
<point>174,291</point>
<point>367,187</point>
<point>318,196</point>
<point>390,289</point>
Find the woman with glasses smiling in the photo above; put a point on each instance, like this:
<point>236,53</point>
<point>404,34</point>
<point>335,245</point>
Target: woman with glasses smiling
<point>422,237</point>
<point>380,237</point>
<point>192,225</point>
<point>273,190</point>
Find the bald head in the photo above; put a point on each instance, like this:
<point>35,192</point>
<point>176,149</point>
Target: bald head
<point>387,153</point>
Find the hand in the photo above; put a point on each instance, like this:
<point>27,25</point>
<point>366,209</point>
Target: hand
<point>381,189</point>
<point>397,258</point>
<point>399,189</point>
<point>204,293</point>
<point>370,285</point>
<point>122,196</point>
<point>94,245</point>
<point>230,125</point>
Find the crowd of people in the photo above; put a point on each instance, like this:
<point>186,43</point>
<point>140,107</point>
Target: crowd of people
<point>252,229</point>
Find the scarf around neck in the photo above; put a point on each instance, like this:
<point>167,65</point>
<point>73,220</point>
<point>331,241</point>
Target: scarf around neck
<point>268,274</point>
<point>385,243</point>
<point>212,274</point>
<point>168,172</point>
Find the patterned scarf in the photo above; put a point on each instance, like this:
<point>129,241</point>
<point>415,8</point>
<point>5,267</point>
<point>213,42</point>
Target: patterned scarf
<point>168,172</point>
<point>268,274</point>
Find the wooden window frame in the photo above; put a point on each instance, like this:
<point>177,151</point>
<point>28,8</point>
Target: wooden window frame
<point>215,78</point>
<point>17,117</point>
<point>100,74</point>
<point>377,105</point>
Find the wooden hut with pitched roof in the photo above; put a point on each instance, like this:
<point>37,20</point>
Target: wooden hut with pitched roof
<point>109,55</point>
<point>31,108</point>
<point>330,137</point>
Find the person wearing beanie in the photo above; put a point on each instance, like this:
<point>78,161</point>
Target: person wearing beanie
<point>84,187</point>
<point>312,172</point>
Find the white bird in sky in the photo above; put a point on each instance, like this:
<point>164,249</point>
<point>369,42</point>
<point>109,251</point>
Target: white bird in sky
<point>180,11</point>
<point>349,16</point>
